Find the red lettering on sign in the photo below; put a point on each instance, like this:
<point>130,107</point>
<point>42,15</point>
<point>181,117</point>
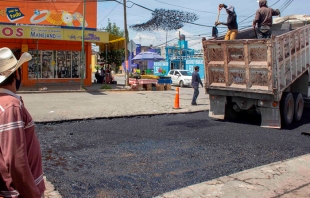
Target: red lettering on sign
<point>7,31</point>
<point>19,32</point>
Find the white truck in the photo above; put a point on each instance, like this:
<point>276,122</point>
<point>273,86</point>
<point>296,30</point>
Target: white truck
<point>268,76</point>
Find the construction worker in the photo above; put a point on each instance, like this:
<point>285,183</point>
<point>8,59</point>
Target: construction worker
<point>263,20</point>
<point>231,22</point>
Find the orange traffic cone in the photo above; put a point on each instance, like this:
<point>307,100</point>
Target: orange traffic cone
<point>177,99</point>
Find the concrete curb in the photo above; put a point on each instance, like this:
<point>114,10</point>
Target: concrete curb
<point>80,91</point>
<point>75,91</point>
<point>116,117</point>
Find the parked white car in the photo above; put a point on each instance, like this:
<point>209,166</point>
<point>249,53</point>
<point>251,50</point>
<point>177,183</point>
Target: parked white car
<point>181,77</point>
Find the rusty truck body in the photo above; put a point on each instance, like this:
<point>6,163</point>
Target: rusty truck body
<point>267,76</point>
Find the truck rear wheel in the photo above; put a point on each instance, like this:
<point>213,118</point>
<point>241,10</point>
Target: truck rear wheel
<point>230,113</point>
<point>299,106</point>
<point>287,108</point>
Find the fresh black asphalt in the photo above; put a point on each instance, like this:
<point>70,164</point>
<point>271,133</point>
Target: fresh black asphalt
<point>147,156</point>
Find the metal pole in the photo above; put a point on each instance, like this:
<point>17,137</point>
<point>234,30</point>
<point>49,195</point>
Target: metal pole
<point>37,65</point>
<point>126,41</point>
<point>83,47</point>
<point>180,51</point>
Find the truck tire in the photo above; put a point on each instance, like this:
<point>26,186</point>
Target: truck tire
<point>181,84</point>
<point>230,113</point>
<point>287,109</point>
<point>299,106</point>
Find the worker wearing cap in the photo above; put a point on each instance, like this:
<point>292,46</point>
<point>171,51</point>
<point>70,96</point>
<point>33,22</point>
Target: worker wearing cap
<point>195,84</point>
<point>231,23</point>
<point>263,19</point>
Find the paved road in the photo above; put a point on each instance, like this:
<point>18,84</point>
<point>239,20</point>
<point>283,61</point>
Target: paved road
<point>150,155</point>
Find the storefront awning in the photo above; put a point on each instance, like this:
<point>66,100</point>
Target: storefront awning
<point>115,42</point>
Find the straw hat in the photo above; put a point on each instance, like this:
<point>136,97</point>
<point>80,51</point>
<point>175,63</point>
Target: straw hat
<point>9,64</point>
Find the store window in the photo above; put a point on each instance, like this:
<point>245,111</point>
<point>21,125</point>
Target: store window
<point>54,64</point>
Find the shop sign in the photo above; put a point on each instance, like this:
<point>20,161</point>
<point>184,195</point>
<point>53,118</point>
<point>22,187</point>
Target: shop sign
<point>45,33</point>
<point>36,32</point>
<point>161,68</point>
<point>49,12</point>
<point>89,36</point>
<point>11,32</point>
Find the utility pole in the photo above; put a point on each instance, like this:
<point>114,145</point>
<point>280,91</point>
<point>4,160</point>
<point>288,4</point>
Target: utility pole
<point>83,48</point>
<point>126,41</point>
<point>181,67</point>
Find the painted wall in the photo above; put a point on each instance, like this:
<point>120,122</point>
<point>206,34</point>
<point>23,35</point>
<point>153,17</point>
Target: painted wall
<point>49,12</point>
<point>191,63</point>
<point>161,68</point>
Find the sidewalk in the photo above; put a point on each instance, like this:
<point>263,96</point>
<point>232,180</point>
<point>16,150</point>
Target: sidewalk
<point>72,87</point>
<point>290,178</point>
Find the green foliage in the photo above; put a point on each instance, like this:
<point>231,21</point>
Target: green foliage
<point>114,56</point>
<point>114,29</point>
<point>106,87</point>
<point>97,67</point>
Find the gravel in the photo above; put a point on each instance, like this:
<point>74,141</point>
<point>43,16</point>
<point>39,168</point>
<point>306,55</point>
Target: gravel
<point>147,156</point>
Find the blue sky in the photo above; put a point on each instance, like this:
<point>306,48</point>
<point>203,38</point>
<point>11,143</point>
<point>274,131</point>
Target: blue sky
<point>206,10</point>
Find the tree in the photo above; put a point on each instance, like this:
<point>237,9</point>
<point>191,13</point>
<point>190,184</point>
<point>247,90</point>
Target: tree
<point>113,29</point>
<point>115,56</point>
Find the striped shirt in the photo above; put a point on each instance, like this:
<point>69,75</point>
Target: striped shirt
<point>20,153</point>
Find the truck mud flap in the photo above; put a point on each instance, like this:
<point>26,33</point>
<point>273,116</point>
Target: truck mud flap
<point>217,107</point>
<point>271,117</point>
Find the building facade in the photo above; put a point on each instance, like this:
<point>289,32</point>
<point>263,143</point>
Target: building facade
<point>52,33</point>
<point>180,57</point>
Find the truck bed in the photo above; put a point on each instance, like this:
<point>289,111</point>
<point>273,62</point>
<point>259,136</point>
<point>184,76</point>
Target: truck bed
<point>261,67</point>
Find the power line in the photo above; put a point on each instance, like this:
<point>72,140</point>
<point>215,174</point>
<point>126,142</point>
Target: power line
<point>255,13</point>
<point>191,8</point>
<point>107,14</point>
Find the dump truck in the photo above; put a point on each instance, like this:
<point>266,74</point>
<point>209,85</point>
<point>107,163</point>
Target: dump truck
<point>269,77</point>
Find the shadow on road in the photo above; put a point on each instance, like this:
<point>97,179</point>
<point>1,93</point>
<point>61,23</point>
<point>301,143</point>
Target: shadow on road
<point>96,93</point>
<point>255,119</point>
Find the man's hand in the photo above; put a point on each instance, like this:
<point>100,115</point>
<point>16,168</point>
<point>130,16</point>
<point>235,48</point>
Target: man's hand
<point>217,23</point>
<point>221,5</point>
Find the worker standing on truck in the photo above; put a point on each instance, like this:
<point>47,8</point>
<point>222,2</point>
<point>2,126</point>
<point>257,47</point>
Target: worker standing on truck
<point>231,23</point>
<point>195,84</point>
<point>263,19</point>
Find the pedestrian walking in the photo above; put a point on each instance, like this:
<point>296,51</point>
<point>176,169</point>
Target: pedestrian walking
<point>20,153</point>
<point>263,19</point>
<point>231,23</point>
<point>195,84</point>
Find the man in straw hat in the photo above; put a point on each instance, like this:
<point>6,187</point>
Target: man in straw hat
<point>20,153</point>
